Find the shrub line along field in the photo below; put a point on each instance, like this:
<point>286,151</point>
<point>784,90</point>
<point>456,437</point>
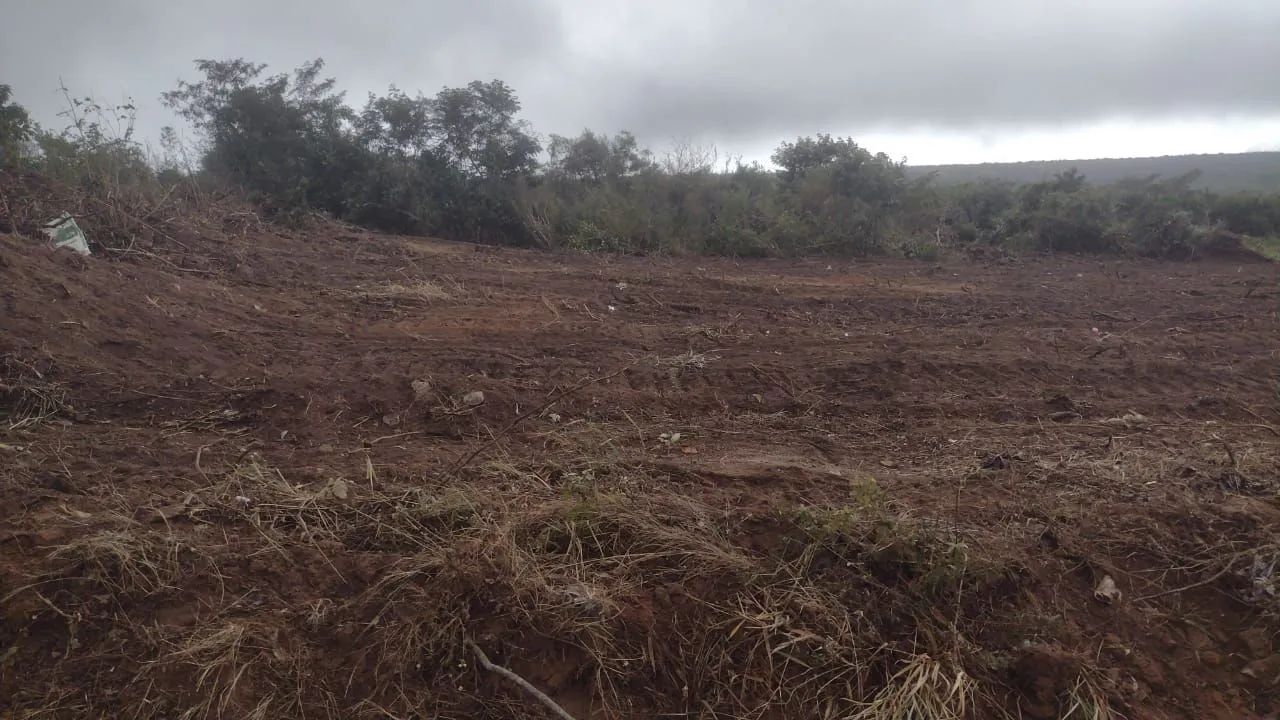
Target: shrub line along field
<point>320,474</point>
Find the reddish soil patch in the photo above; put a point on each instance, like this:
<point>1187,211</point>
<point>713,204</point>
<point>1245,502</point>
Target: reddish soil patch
<point>249,479</point>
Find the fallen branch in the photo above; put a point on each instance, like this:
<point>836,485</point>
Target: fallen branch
<point>1263,421</point>
<point>524,684</point>
<point>1212,318</point>
<point>1225,569</point>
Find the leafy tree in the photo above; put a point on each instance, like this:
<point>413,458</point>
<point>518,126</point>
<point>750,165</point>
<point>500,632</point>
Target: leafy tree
<point>284,136</point>
<point>478,130</point>
<point>596,158</point>
<point>805,155</point>
<point>16,128</point>
<point>397,125</point>
<point>842,191</point>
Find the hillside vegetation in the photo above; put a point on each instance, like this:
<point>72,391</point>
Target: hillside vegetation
<point>463,165</point>
<point>1254,172</point>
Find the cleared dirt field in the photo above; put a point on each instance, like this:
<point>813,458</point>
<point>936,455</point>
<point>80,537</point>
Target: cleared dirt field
<point>309,474</point>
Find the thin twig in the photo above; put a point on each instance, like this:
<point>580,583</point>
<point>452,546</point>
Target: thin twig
<point>524,684</point>
<point>1231,561</point>
<point>1225,569</point>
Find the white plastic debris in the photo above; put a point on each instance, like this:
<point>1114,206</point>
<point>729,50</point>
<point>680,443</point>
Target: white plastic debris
<point>1107,593</point>
<point>65,233</point>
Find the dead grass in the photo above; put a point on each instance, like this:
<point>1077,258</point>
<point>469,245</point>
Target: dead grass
<point>655,602</point>
<point>743,631</point>
<point>687,361</point>
<point>1086,701</point>
<point>245,670</point>
<point>128,561</point>
<point>28,397</point>
<point>923,689</point>
<point>419,289</point>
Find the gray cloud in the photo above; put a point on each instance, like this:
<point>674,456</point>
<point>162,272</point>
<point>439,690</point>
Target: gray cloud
<point>736,72</point>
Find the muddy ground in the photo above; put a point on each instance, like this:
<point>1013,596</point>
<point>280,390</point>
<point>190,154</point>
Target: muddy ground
<point>305,474</point>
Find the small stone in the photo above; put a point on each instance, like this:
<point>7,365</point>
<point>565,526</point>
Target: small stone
<point>391,420</point>
<point>475,398</point>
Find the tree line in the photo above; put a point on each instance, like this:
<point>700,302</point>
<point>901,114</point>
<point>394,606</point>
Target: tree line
<point>463,164</point>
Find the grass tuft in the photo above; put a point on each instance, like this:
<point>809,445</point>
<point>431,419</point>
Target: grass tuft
<point>923,689</point>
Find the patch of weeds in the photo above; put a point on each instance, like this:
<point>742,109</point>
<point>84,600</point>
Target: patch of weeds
<point>923,689</point>
<point>944,566</point>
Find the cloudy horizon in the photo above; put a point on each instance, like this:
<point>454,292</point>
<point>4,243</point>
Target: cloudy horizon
<point>971,81</point>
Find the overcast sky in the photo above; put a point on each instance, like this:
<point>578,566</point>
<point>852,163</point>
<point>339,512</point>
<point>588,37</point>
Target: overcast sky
<point>931,80</point>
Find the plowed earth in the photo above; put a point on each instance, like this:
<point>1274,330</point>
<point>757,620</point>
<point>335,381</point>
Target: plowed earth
<point>255,479</point>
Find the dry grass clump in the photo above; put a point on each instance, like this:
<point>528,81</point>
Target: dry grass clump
<point>1086,701</point>
<point>417,289</point>
<point>342,512</point>
<point>113,552</point>
<point>272,504</point>
<point>245,670</point>
<point>923,689</point>
<point>129,561</point>
<point>28,397</point>
<point>691,360</point>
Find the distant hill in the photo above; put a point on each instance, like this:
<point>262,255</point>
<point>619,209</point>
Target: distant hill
<point>1243,172</point>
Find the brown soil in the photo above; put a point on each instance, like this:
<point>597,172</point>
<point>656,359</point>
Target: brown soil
<point>247,481</point>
